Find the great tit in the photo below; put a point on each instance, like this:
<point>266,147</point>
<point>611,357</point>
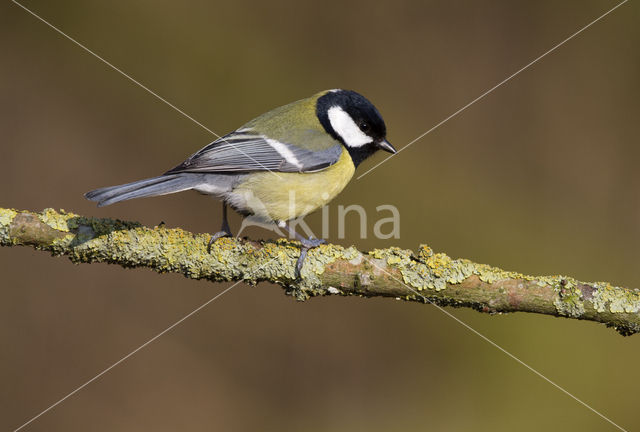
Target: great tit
<point>282,165</point>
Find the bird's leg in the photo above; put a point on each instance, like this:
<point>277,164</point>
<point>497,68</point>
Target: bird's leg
<point>307,243</point>
<point>225,231</point>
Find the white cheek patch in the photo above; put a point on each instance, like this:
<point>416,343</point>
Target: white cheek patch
<point>343,124</point>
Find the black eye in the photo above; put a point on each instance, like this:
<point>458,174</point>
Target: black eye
<point>364,127</point>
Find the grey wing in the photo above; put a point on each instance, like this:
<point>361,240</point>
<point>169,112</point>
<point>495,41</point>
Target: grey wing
<point>246,152</point>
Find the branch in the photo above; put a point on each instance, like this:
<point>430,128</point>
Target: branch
<point>328,269</point>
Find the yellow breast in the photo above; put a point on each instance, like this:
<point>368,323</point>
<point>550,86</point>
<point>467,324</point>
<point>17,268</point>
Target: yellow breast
<point>276,196</point>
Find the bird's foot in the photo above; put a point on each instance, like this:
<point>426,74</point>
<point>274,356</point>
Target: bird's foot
<point>216,236</point>
<point>307,244</point>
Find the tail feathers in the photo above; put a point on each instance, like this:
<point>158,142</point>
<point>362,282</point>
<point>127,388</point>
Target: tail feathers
<point>162,185</point>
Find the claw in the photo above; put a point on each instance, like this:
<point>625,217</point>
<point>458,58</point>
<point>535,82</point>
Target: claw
<point>303,255</point>
<point>216,236</point>
<point>225,231</point>
<point>307,244</point>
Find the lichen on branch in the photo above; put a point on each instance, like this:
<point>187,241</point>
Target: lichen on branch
<point>330,269</point>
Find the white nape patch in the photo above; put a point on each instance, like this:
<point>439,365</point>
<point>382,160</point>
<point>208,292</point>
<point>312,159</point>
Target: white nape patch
<point>343,124</point>
<point>284,152</point>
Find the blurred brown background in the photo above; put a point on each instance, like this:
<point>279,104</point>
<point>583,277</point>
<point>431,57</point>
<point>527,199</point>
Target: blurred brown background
<point>540,176</point>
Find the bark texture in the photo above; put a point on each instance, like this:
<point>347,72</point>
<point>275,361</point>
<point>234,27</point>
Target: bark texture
<point>422,276</point>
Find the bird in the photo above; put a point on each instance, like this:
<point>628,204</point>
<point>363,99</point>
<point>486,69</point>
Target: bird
<point>282,165</point>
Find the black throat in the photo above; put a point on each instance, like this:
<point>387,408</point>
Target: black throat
<point>359,154</point>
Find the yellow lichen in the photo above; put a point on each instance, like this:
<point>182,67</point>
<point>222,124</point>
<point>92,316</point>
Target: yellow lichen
<point>570,301</point>
<point>615,299</point>
<point>175,250</point>
<point>54,219</point>
<point>424,251</point>
<point>6,217</point>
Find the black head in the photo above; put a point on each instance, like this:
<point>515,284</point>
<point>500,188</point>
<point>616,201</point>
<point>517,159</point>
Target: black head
<point>351,119</point>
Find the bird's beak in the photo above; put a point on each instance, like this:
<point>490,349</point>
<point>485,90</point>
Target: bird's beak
<point>386,146</point>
